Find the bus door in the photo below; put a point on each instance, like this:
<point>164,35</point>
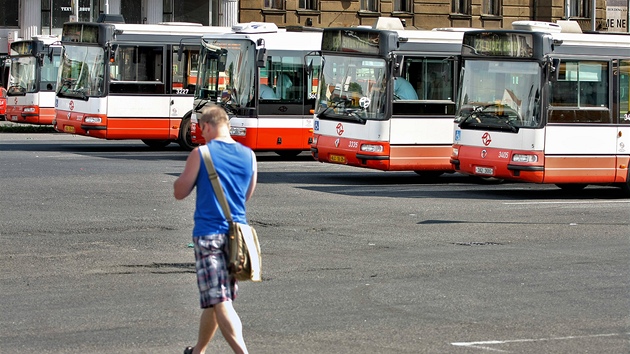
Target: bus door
<point>184,79</point>
<point>281,111</point>
<point>580,147</point>
<point>623,130</point>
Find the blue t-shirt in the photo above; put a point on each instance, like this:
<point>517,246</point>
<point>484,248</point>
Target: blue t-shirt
<point>403,90</point>
<point>235,166</point>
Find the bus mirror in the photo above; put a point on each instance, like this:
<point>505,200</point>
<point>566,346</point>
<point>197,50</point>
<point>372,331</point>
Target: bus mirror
<point>261,57</point>
<point>180,53</point>
<point>554,70</point>
<point>222,60</point>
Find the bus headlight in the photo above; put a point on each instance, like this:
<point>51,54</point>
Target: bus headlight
<point>238,131</point>
<point>455,152</point>
<point>29,110</point>
<point>524,158</point>
<point>371,148</point>
<point>95,120</point>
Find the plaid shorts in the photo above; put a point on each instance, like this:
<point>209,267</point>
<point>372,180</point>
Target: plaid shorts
<point>214,281</point>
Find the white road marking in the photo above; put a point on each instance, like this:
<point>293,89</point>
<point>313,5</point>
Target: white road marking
<point>484,344</point>
<point>569,202</point>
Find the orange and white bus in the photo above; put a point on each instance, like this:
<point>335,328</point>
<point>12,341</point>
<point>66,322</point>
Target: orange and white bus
<point>33,80</point>
<point>545,105</point>
<point>129,81</point>
<point>266,78</point>
<point>386,98</point>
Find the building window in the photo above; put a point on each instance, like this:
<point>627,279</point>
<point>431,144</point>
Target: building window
<point>403,5</point>
<point>580,8</point>
<point>274,4</point>
<point>167,11</point>
<point>461,7</point>
<point>308,4</point>
<point>54,15</point>
<point>369,5</point>
<point>491,7</point>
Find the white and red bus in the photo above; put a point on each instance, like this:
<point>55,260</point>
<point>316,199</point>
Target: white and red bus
<point>386,98</point>
<point>540,104</point>
<point>266,78</point>
<point>33,80</point>
<point>129,81</point>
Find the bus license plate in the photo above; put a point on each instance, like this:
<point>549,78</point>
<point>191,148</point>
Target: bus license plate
<point>14,118</point>
<point>68,128</point>
<point>337,159</point>
<point>484,170</point>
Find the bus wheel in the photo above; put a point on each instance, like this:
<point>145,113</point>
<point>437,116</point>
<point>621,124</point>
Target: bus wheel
<point>288,153</point>
<point>156,143</point>
<point>184,140</point>
<point>571,187</point>
<point>429,175</point>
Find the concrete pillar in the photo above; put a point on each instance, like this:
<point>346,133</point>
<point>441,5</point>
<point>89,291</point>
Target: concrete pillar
<point>153,10</point>
<point>228,13</point>
<point>114,7</point>
<point>30,18</point>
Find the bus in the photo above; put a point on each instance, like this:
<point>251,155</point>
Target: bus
<point>386,98</point>
<point>266,78</point>
<point>129,81</point>
<point>5,65</point>
<point>544,103</point>
<point>33,80</point>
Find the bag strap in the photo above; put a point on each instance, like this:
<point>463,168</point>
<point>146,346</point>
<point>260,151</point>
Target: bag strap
<point>216,184</point>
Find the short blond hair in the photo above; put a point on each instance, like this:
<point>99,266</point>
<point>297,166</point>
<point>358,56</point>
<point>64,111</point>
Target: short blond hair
<point>214,115</point>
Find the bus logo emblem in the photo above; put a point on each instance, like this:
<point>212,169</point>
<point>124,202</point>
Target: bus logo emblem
<point>339,129</point>
<point>71,105</point>
<point>337,143</point>
<point>484,153</point>
<point>486,139</point>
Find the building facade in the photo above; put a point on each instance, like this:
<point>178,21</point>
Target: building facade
<point>26,18</point>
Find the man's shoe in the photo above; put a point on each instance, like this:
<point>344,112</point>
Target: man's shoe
<point>188,350</point>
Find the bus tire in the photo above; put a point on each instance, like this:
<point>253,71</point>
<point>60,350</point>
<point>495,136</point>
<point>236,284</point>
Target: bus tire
<point>288,153</point>
<point>184,140</point>
<point>152,143</point>
<point>429,175</point>
<point>571,187</point>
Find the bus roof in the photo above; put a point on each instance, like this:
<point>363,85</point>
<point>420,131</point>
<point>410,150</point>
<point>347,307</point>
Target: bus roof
<point>281,40</point>
<point>173,28</point>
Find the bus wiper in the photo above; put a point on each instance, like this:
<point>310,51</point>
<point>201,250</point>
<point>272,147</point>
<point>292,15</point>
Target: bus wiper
<point>332,107</point>
<point>16,90</point>
<point>201,104</point>
<point>353,113</point>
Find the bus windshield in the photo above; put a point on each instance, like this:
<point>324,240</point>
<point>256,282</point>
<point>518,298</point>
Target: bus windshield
<point>82,69</point>
<point>226,74</point>
<point>504,95</point>
<point>23,78</point>
<point>352,88</point>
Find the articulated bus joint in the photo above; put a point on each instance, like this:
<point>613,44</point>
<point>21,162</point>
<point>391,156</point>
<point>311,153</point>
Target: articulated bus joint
<point>93,127</point>
<point>455,163</point>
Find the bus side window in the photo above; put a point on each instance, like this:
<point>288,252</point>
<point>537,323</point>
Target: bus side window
<point>140,70</point>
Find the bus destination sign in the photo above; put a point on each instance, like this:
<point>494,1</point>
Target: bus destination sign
<point>22,48</point>
<point>505,44</point>
<point>80,33</point>
<point>352,41</point>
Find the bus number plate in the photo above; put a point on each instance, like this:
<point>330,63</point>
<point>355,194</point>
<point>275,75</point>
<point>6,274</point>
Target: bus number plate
<point>14,118</point>
<point>484,170</point>
<point>68,128</point>
<point>337,159</point>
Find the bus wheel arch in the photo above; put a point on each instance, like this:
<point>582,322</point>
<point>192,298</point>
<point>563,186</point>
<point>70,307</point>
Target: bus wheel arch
<point>184,138</point>
<point>625,186</point>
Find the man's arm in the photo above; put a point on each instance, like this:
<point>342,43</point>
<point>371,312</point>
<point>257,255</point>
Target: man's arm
<point>252,183</point>
<point>185,183</point>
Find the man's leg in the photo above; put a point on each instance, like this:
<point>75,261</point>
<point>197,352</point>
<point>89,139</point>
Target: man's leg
<point>207,327</point>
<point>231,326</point>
